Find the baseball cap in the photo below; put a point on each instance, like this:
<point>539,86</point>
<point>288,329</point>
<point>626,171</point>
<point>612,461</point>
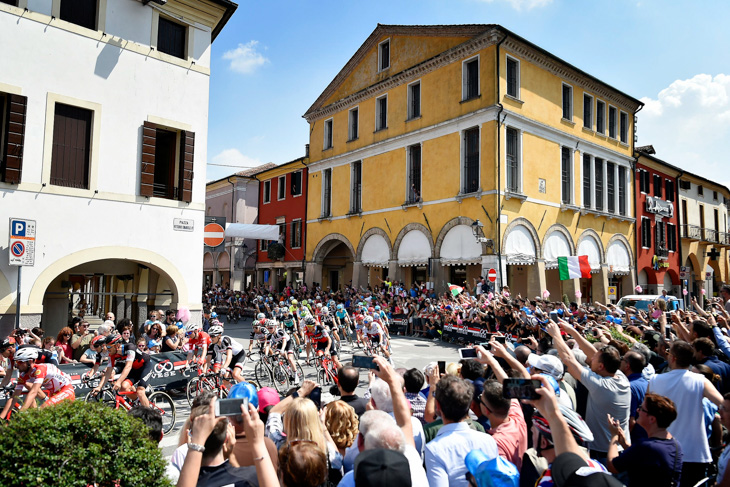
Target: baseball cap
<point>570,470</point>
<point>267,397</point>
<point>549,364</point>
<point>376,468</point>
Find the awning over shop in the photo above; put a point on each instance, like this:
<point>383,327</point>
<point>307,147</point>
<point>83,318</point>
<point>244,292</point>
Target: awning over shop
<point>588,246</point>
<point>414,249</point>
<point>519,247</point>
<point>250,230</point>
<point>375,252</point>
<point>460,247</point>
<point>556,245</point>
<point>617,258</point>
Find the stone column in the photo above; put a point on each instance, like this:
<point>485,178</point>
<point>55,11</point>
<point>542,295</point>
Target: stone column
<point>259,277</point>
<point>289,276</point>
<point>313,273</point>
<point>393,270</point>
<point>536,282</point>
<point>359,274</point>
<point>439,277</point>
<point>570,286</point>
<point>492,262</point>
<point>600,285</point>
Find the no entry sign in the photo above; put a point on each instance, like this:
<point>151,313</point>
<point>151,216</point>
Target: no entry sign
<point>492,275</point>
<point>213,234</point>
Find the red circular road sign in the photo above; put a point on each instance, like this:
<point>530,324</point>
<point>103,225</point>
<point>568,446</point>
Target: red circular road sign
<point>213,235</point>
<point>492,275</point>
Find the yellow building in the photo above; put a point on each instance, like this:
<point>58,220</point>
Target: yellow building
<point>427,129</point>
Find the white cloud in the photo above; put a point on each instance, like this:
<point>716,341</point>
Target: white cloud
<point>520,5</point>
<point>234,157</point>
<point>687,123</point>
<point>245,59</point>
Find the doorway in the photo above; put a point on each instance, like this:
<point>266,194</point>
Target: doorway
<point>334,280</point>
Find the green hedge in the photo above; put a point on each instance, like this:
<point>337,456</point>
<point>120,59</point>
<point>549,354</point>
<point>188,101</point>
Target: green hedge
<point>79,444</point>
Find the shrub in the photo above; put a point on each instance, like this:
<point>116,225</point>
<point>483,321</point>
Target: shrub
<point>79,444</point>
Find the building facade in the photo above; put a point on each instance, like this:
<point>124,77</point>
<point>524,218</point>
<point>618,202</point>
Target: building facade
<point>282,202</point>
<point>428,129</point>
<point>658,256</point>
<point>234,198</point>
<point>98,150</point>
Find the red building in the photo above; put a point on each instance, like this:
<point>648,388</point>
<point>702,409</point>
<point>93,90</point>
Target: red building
<point>657,223</point>
<point>283,202</point>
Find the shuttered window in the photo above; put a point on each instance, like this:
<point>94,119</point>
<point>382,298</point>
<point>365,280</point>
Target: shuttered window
<point>470,79</point>
<point>414,100</point>
<point>657,186</point>
<point>327,193</point>
<point>356,187</point>
<point>513,78</point>
<point>354,130</point>
<point>12,136</point>
<point>612,122</point>
<point>566,179</point>
<point>610,187</point>
<point>567,102</point>
<point>671,237</point>
<point>669,185</point>
<point>79,12</point>
<point>598,171</point>
<point>381,115</point>
<point>171,38</point>
<point>471,160</point>
<point>414,174</point>
<point>586,181</point>
<point>296,234</point>
<point>600,116</point>
<point>622,191</point>
<point>513,161</point>
<point>645,232</point>
<point>71,150</point>
<point>296,183</point>
<point>167,163</point>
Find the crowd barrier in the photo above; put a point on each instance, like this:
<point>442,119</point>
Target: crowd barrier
<point>466,331</point>
<point>399,325</point>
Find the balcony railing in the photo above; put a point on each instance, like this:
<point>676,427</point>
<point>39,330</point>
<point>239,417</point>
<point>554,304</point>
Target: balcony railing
<point>710,235</point>
<point>691,231</point>
<point>723,238</point>
<point>662,251</point>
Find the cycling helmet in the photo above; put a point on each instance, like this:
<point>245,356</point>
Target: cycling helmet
<point>294,302</point>
<point>114,339</point>
<point>368,320</point>
<point>7,343</point>
<point>214,315</point>
<point>260,316</point>
<point>371,310</point>
<point>304,302</point>
<point>215,323</point>
<point>270,324</point>
<point>25,354</point>
<point>577,426</point>
<point>377,307</point>
<point>325,310</point>
<point>319,305</point>
<point>99,341</point>
<point>214,331</point>
<point>280,333</point>
<point>309,320</point>
<point>190,327</point>
<point>244,390</point>
<point>340,306</point>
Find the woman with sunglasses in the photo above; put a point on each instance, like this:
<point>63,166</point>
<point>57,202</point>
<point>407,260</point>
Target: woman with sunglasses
<point>63,342</point>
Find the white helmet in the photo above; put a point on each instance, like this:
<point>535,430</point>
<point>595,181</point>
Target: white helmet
<point>368,320</point>
<point>193,327</point>
<point>270,324</point>
<point>319,305</point>
<point>325,310</point>
<point>25,354</point>
<point>260,316</point>
<point>214,331</point>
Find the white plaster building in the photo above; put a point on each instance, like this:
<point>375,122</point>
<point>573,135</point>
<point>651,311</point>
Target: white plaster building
<point>104,106</point>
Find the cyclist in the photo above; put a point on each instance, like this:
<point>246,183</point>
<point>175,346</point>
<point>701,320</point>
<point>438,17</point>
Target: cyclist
<point>376,335</point>
<point>8,349</point>
<point>292,328</point>
<point>41,380</point>
<point>321,340</point>
<point>330,324</point>
<point>279,342</point>
<point>360,330</point>
<point>258,334</point>
<point>227,352</point>
<point>100,353</point>
<point>198,340</point>
<point>343,320</point>
<point>137,369</point>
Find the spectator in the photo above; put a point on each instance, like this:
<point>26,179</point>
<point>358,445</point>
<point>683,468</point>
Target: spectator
<point>63,346</point>
<point>126,334</point>
<point>723,474</point>
<point>382,399</point>
<point>705,354</point>
<point>348,379</point>
<point>151,418</point>
<point>302,464</point>
<point>172,340</point>
<point>632,366</point>
<point>243,449</point>
<point>413,380</point>
<point>81,339</point>
<point>342,423</point>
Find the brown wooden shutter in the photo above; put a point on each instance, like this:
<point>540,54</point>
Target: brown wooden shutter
<point>13,166</point>
<point>187,148</point>
<point>147,175</point>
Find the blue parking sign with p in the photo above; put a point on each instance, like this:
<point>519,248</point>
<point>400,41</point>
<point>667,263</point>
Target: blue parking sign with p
<point>17,228</point>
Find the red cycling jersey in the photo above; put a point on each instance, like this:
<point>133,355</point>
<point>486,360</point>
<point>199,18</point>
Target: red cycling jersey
<point>202,340</point>
<point>317,334</point>
<point>50,376</point>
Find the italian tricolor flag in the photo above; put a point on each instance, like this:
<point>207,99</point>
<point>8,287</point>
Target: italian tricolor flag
<point>574,267</point>
<point>455,290</point>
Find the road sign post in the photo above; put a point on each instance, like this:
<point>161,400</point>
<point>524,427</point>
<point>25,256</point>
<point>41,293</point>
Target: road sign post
<point>492,275</point>
<point>214,233</point>
<point>21,252</point>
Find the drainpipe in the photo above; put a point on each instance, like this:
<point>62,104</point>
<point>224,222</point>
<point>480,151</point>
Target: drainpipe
<point>304,220</point>
<point>498,243</point>
<point>679,227</point>
<point>231,262</point>
<point>633,171</point>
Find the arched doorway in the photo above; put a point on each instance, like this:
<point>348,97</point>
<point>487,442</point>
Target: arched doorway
<point>334,255</point>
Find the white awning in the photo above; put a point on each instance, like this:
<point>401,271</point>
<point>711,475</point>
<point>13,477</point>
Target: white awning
<point>556,245</point>
<point>588,246</point>
<point>250,230</point>
<point>519,247</point>
<point>617,258</point>
<point>375,252</point>
<point>414,249</point>
<point>460,247</point>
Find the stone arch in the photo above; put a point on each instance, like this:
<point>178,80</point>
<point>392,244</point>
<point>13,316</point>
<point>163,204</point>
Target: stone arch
<point>368,234</point>
<point>521,221</point>
<point>557,227</point>
<point>327,243</point>
<point>459,220</point>
<point>625,241</point>
<point>7,298</point>
<point>408,228</point>
<point>223,261</point>
<point>208,261</point>
<point>696,265</point>
<point>589,232</point>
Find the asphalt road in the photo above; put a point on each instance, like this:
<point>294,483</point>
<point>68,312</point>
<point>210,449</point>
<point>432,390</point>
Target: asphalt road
<point>408,352</point>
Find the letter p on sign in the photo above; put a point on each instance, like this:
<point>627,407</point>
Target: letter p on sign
<point>18,229</point>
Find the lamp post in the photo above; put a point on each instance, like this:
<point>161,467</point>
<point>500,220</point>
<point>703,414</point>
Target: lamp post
<point>477,230</point>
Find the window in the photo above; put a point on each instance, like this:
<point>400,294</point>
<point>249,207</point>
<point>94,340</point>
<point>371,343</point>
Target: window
<point>645,232</point>
<point>327,134</point>
<point>12,136</point>
<point>660,236</point>
<point>685,185</point>
<point>600,117</point>
<point>470,79</point>
<point>513,160</point>
<point>381,113</point>
<point>700,191</point>
<point>296,183</point>
<point>79,12</point>
<point>356,187</point>
<point>353,130</point>
<point>622,191</point>
<point>414,174</point>
<point>171,38</point>
<point>657,186</point>
<point>471,160</point>
<point>669,189</point>
<point>644,181</point>
<point>71,147</point>
<point>598,168</point>
<point>586,180</point>
<point>384,55</point>
<point>281,194</point>
<point>296,234</point>
<point>611,187</point>
<point>281,222</point>
<point>267,191</point>
<point>587,111</point>
<point>714,195</point>
<point>327,193</point>
<point>167,162</point>
<point>671,237</point>
<point>264,245</point>
<point>611,122</point>
<point>624,118</point>
<point>10,2</point>
<point>414,100</point>
<point>513,77</point>
<point>567,102</point>
<point>566,175</point>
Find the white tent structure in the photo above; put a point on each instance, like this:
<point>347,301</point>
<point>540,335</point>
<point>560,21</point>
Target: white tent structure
<point>251,230</point>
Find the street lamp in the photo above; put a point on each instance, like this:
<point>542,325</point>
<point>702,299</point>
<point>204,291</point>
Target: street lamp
<point>477,230</point>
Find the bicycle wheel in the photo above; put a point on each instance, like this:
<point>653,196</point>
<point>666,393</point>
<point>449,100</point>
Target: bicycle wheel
<point>299,369</point>
<point>280,378</point>
<point>165,405</point>
<point>321,376</point>
<point>195,387</point>
<point>104,397</point>
<point>263,375</point>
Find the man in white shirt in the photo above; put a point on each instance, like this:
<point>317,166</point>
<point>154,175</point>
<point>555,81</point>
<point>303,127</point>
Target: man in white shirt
<point>687,389</point>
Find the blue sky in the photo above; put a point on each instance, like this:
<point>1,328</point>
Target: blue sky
<point>274,58</point>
